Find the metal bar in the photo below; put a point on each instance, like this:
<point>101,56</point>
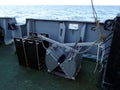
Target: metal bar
<point>82,44</point>
<point>57,43</point>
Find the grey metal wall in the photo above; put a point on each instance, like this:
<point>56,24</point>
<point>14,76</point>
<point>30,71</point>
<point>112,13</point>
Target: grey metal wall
<point>52,27</point>
<point>59,30</point>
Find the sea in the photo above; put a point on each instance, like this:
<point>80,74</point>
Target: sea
<point>59,12</point>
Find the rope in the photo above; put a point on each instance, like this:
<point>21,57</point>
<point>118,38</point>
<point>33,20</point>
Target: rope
<point>100,57</point>
<point>101,36</point>
<point>94,11</point>
<point>88,48</point>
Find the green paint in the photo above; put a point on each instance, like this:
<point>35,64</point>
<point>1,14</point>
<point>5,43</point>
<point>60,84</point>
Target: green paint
<point>15,77</point>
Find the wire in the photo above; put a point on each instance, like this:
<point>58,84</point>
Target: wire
<point>88,48</point>
<point>43,43</point>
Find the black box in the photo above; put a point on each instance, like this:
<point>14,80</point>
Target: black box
<point>20,50</point>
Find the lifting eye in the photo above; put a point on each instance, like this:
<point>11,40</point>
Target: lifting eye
<point>12,26</point>
<point>61,59</point>
<point>61,31</point>
<point>93,28</point>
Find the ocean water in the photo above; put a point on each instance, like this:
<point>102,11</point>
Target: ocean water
<point>59,12</point>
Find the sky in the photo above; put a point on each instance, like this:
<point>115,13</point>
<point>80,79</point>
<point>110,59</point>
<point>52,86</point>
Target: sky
<point>59,2</point>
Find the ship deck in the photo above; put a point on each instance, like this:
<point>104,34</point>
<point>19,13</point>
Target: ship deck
<point>15,77</point>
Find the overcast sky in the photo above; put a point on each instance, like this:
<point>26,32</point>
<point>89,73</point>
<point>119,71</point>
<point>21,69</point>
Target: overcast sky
<point>59,2</point>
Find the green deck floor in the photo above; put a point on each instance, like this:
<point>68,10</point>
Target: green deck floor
<point>15,77</point>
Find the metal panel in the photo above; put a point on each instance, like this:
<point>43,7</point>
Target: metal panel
<point>48,27</point>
